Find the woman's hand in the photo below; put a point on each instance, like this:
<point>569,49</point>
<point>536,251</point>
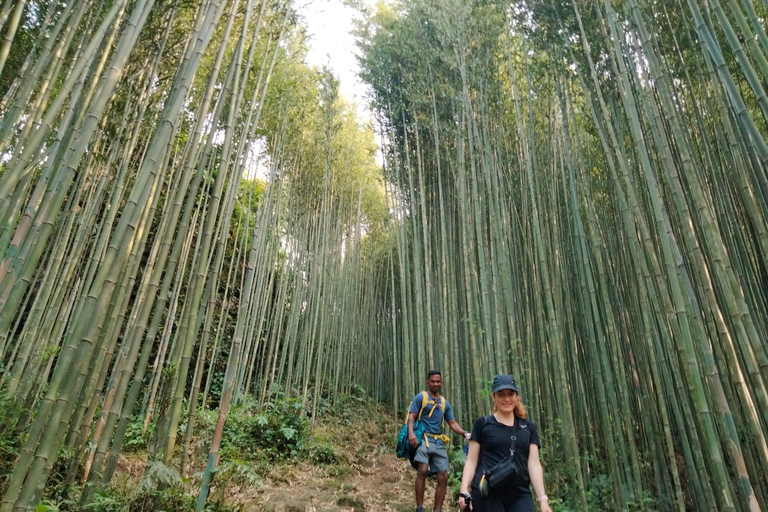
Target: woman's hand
<point>466,504</point>
<point>470,466</point>
<point>544,504</point>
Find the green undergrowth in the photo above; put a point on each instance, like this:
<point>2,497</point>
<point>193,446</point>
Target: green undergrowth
<point>455,472</point>
<point>260,444</point>
<point>10,439</point>
<point>270,444</point>
<point>276,432</point>
<point>561,483</point>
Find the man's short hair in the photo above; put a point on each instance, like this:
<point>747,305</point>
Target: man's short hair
<point>434,372</point>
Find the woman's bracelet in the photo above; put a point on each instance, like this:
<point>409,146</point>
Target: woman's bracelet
<point>543,497</point>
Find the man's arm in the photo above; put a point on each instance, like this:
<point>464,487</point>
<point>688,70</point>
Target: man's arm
<point>457,428</point>
<point>412,439</point>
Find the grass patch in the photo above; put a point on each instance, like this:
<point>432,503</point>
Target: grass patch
<point>349,501</point>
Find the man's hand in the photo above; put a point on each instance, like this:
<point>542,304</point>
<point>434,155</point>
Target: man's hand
<point>413,440</point>
<point>467,435</point>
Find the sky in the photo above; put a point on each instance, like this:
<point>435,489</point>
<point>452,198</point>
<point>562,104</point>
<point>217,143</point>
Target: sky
<point>331,43</point>
<point>329,26</point>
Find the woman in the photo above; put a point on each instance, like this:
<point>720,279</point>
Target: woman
<point>496,441</point>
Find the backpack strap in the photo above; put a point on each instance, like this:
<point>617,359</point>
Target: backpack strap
<point>434,403</point>
<point>424,404</point>
<point>421,409</point>
<point>442,425</point>
<point>441,400</point>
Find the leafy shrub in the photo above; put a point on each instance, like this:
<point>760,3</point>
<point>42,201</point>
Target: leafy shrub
<point>10,439</point>
<point>455,471</point>
<point>240,473</point>
<point>61,497</point>
<point>600,492</point>
<point>322,452</point>
<point>106,500</point>
<point>48,506</point>
<point>346,408</point>
<point>135,440</point>
<point>61,492</point>
<point>256,438</point>
<point>165,500</point>
<point>158,476</point>
<point>277,432</point>
<point>643,503</point>
<point>560,477</point>
<point>160,489</point>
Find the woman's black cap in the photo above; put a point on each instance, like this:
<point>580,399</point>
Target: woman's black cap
<point>504,382</point>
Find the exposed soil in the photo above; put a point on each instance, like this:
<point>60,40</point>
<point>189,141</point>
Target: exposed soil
<point>377,482</point>
<point>369,476</point>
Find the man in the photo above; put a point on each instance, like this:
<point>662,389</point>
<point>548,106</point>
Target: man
<point>431,456</point>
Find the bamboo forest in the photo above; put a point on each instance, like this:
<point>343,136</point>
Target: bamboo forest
<point>221,285</point>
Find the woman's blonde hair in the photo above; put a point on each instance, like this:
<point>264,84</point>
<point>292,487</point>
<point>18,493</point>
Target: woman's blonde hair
<point>519,411</point>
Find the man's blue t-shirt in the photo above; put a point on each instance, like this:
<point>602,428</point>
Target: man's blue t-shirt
<point>433,422</point>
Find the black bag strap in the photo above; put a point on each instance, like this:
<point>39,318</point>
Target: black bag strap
<point>485,422</point>
<point>480,455</point>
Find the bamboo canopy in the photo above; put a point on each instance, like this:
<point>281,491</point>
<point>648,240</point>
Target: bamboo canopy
<point>573,192</point>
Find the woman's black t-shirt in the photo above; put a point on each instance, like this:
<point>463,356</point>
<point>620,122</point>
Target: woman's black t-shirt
<point>496,441</point>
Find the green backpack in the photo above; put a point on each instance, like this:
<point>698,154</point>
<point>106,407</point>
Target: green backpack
<point>404,448</point>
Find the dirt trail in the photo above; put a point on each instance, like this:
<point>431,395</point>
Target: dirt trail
<point>369,476</point>
<point>379,482</point>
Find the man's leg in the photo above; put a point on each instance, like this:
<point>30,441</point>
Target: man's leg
<point>421,479</point>
<point>439,464</point>
<point>421,458</point>
<point>442,484</point>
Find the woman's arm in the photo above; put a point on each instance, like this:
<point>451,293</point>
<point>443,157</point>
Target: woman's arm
<point>470,466</point>
<point>536,474</point>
